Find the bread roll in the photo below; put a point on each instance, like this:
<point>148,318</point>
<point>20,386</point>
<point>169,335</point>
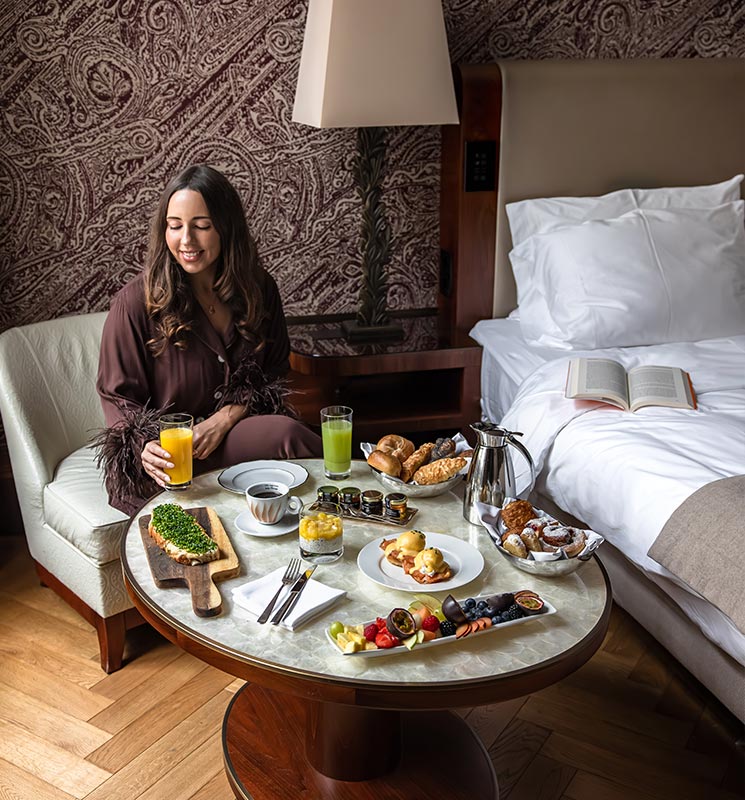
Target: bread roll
<point>385,462</point>
<point>444,448</point>
<point>396,445</point>
<point>417,459</point>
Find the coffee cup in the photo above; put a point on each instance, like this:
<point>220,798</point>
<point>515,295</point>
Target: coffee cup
<point>269,501</point>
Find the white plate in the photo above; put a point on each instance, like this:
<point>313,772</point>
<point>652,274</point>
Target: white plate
<point>247,523</point>
<point>465,562</point>
<point>238,478</point>
<point>445,639</point>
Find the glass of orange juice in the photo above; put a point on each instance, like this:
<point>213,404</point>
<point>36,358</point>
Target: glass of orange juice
<point>177,436</point>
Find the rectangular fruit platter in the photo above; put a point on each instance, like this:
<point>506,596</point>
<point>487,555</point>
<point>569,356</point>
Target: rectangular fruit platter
<point>428,623</point>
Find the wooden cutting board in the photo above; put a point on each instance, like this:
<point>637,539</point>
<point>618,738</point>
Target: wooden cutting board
<point>200,578</point>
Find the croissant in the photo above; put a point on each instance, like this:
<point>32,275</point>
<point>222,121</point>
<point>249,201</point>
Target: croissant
<point>439,471</point>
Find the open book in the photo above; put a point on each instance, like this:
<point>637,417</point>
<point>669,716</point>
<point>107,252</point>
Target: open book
<point>606,380</point>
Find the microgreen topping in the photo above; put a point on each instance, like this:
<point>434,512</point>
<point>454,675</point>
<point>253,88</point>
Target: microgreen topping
<point>180,528</point>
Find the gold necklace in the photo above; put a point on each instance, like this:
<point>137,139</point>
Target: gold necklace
<point>209,306</point>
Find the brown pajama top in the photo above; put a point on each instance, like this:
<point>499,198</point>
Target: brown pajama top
<point>191,380</point>
<point>135,387</point>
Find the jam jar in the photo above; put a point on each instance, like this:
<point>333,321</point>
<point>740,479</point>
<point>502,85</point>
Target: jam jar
<point>349,497</point>
<point>372,501</point>
<point>395,505</point>
<point>328,494</point>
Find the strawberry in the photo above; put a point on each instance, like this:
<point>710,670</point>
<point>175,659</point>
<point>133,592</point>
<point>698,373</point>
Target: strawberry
<point>385,640</point>
<point>370,632</point>
<point>431,623</point>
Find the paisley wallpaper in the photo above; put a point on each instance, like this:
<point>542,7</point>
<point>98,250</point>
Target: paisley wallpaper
<point>104,100</point>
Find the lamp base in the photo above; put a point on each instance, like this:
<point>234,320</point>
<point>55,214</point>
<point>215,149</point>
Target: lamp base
<point>362,334</point>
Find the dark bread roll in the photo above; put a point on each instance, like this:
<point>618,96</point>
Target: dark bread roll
<point>444,448</point>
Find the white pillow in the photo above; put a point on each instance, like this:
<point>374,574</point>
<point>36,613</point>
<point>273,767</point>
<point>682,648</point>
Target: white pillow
<point>529,217</point>
<point>648,276</point>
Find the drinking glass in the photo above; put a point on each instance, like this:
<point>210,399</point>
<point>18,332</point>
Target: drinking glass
<point>321,532</point>
<point>336,433</point>
<point>177,437</point>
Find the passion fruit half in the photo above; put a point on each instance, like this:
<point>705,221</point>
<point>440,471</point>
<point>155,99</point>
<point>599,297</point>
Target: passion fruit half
<point>452,610</point>
<point>530,603</point>
<point>400,623</point>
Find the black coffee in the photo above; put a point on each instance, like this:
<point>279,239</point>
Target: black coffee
<point>268,494</point>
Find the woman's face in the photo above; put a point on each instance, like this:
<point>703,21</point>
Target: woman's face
<point>190,235</point>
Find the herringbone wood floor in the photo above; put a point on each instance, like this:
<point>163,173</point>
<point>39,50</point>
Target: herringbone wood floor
<point>629,724</point>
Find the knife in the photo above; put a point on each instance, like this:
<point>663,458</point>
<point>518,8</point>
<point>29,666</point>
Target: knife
<point>292,598</point>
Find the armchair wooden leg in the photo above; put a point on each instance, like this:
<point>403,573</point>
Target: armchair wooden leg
<point>111,630</point>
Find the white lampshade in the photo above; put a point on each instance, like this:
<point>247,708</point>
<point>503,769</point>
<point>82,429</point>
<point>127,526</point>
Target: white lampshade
<point>375,62</point>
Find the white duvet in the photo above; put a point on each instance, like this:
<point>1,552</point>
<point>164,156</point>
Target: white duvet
<point>625,473</point>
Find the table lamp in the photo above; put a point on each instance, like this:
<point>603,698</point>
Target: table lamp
<point>367,64</point>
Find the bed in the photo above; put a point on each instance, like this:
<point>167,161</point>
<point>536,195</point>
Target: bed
<point>582,129</point>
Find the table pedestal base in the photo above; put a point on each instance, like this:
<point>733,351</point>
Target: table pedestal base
<point>396,755</point>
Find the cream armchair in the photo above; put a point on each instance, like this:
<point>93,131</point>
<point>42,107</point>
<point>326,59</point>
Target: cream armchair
<point>50,409</point>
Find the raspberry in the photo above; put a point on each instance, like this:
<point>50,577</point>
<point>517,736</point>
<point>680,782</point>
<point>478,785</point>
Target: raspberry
<point>431,623</point>
<point>370,632</point>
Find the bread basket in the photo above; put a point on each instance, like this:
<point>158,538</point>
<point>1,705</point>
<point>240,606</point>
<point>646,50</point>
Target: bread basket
<point>392,484</point>
<point>491,519</point>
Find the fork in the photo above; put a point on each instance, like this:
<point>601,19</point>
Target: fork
<point>292,573</point>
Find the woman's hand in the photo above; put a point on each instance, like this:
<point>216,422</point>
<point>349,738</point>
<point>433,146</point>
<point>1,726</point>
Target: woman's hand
<point>154,460</point>
<point>208,435</point>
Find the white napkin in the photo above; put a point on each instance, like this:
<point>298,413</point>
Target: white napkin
<point>315,598</point>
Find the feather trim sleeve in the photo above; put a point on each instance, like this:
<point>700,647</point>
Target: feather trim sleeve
<point>119,449</point>
<point>249,386</point>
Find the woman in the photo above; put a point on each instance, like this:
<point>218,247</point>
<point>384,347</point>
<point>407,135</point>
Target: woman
<point>201,331</point>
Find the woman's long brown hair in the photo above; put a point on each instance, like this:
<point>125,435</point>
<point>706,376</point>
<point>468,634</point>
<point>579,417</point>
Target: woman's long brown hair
<point>238,273</point>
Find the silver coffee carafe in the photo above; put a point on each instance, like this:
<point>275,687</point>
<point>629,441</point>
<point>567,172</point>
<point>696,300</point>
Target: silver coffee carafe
<point>491,476</point>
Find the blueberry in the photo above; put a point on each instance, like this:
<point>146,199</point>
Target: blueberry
<point>469,603</point>
<point>496,620</point>
<point>481,604</point>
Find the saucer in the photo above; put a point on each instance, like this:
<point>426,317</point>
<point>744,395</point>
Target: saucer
<point>239,477</point>
<point>247,523</point>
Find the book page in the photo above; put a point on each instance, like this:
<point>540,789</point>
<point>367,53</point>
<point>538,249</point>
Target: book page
<point>666,386</point>
<point>599,379</point>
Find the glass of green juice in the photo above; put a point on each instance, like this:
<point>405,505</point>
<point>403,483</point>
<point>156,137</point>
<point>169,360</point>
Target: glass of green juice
<point>336,433</point>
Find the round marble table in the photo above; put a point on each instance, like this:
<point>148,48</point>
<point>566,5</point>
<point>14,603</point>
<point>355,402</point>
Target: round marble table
<point>314,723</point>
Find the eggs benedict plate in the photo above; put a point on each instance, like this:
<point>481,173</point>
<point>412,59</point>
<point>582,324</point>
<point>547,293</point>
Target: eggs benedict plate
<point>419,557</point>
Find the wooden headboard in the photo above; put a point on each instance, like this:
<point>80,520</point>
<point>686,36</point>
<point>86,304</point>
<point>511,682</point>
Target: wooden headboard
<point>553,128</point>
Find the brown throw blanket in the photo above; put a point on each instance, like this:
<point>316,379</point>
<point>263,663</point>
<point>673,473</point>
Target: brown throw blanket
<point>703,544</point>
